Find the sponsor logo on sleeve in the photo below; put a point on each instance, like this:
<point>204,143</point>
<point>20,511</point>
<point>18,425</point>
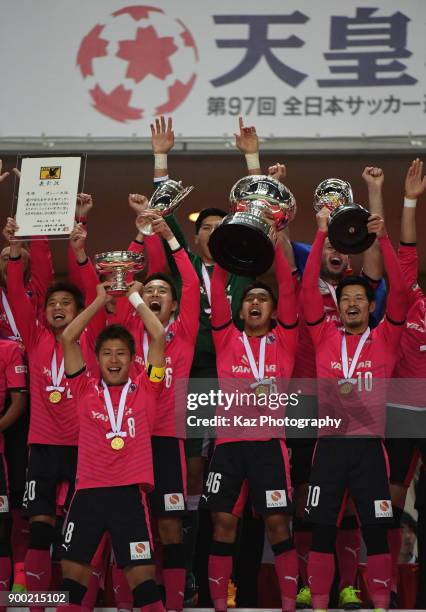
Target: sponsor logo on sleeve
<point>276,499</point>
<point>383,508</point>
<point>140,550</point>
<point>174,501</point>
<point>21,369</point>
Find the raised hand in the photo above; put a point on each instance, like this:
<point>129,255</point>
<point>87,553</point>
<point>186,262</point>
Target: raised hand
<point>415,185</point>
<point>322,219</point>
<point>10,229</point>
<point>101,292</point>
<point>246,141</point>
<point>376,225</point>
<point>84,205</point>
<point>277,171</point>
<point>4,175</point>
<point>162,136</point>
<point>160,227</point>
<point>138,203</point>
<point>78,237</point>
<point>374,177</point>
<point>134,287</point>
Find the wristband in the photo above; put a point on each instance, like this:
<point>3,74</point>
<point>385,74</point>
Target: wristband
<point>135,300</point>
<point>252,160</point>
<point>154,373</point>
<point>409,203</point>
<point>173,244</point>
<point>160,161</point>
<point>160,179</point>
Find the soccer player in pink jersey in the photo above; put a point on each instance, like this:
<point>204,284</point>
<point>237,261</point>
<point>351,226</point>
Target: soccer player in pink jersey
<point>168,500</point>
<point>410,402</point>
<point>13,382</point>
<point>116,414</point>
<point>352,459</point>
<point>334,267</point>
<point>53,431</point>
<point>262,463</point>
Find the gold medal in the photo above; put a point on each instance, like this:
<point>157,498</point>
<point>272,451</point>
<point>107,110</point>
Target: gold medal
<point>261,390</point>
<point>117,443</point>
<point>55,397</point>
<point>346,388</point>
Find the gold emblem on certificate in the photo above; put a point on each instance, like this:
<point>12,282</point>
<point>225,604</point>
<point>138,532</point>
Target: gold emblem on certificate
<point>117,443</point>
<point>55,397</point>
<point>346,387</point>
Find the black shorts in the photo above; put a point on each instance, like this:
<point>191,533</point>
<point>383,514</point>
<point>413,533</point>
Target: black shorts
<point>4,489</point>
<point>237,468</point>
<point>404,454</point>
<point>49,467</point>
<point>354,466</point>
<point>199,447</point>
<point>301,460</point>
<point>16,452</point>
<point>169,496</point>
<point>122,512</point>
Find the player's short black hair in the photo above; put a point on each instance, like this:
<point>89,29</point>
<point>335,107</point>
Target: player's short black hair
<point>69,288</point>
<point>208,212</point>
<point>355,280</point>
<point>115,332</point>
<point>166,279</point>
<point>259,285</point>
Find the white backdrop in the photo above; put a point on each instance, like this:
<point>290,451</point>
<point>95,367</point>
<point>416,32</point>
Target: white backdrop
<point>76,67</point>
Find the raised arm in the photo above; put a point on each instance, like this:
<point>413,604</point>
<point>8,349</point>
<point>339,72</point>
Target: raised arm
<point>221,309</point>
<point>20,304</point>
<point>189,306</point>
<point>82,210</point>
<point>153,326</point>
<point>163,140</point>
<point>396,307</point>
<point>41,271</point>
<point>312,300</point>
<point>287,303</point>
<point>248,143</point>
<point>73,356</point>
<point>372,262</point>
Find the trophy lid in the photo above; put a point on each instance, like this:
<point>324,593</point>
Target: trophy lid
<point>332,193</point>
<point>261,186</point>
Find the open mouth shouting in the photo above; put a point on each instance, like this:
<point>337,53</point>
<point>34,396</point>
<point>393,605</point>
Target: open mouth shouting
<point>255,312</point>
<point>155,306</point>
<point>352,313</point>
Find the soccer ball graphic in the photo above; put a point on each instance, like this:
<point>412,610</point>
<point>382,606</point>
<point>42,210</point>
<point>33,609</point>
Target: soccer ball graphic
<point>138,63</point>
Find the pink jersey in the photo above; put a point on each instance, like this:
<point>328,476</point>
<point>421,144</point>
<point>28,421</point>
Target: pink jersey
<point>99,465</point>
<point>41,276</point>
<point>412,349</point>
<point>361,410</point>
<point>180,344</point>
<point>50,423</point>
<point>305,366</point>
<point>13,373</point>
<point>280,348</point>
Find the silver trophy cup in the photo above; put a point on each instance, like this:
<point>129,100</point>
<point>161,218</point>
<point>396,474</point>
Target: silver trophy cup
<point>165,199</point>
<point>116,265</point>
<point>243,243</point>
<point>347,229</point>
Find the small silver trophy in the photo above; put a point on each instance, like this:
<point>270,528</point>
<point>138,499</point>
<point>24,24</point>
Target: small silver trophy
<point>347,228</point>
<point>165,199</point>
<point>243,243</point>
<point>117,265</point>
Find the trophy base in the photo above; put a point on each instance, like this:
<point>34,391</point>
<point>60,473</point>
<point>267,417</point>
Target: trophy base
<point>347,230</point>
<point>241,246</point>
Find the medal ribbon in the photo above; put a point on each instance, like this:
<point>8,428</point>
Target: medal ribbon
<point>348,371</point>
<point>56,376</point>
<point>116,424</point>
<point>258,373</point>
<point>10,319</point>
<point>207,287</point>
